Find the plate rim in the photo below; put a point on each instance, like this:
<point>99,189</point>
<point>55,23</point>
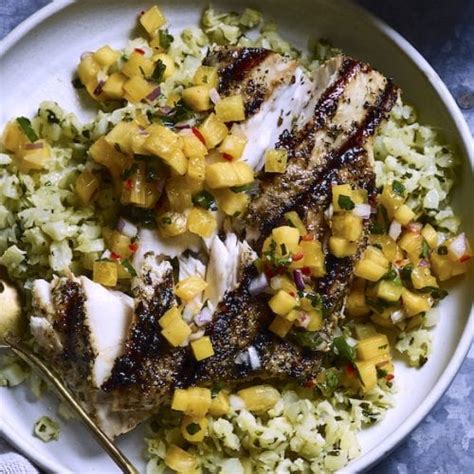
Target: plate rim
<point>381,450</point>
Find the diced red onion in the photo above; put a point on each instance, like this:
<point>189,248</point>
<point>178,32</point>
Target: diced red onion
<point>254,358</point>
<point>415,227</point>
<point>203,317</point>
<point>395,229</point>
<point>424,263</point>
<point>362,210</point>
<point>127,228</point>
<point>106,254</point>
<point>165,110</point>
<point>258,285</point>
<point>298,279</point>
<point>34,146</point>
<point>142,130</point>
<point>214,96</point>
<point>458,246</point>
<point>154,93</point>
<point>98,89</point>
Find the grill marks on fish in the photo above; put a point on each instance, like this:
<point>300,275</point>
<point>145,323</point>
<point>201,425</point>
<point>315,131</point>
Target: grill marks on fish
<point>252,72</point>
<point>346,115</point>
<point>154,295</point>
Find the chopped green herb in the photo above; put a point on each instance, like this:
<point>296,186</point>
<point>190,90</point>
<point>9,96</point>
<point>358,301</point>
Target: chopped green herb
<point>205,200</point>
<point>52,117</point>
<point>193,428</point>
<point>25,125</point>
<point>398,188</point>
<point>244,188</point>
<point>129,267</point>
<point>342,349</point>
<point>425,249</point>
<point>166,220</point>
<point>376,228</point>
<point>165,39</point>
<point>345,202</point>
<point>308,339</point>
<point>405,272</point>
<point>158,72</point>
<point>390,275</point>
<point>329,381</point>
<point>436,293</point>
<point>381,373</point>
<point>138,215</point>
<point>130,171</point>
<point>180,113</point>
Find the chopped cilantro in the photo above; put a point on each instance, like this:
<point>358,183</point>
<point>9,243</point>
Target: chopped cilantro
<point>25,125</point>
<point>345,202</point>
<point>342,349</point>
<point>193,428</point>
<point>244,188</point>
<point>398,188</point>
<point>308,339</point>
<point>158,72</point>
<point>425,249</point>
<point>328,381</point>
<point>376,228</point>
<point>436,293</point>
<point>165,39</point>
<point>129,267</point>
<point>205,200</point>
<point>443,250</point>
<point>390,275</point>
<point>138,215</point>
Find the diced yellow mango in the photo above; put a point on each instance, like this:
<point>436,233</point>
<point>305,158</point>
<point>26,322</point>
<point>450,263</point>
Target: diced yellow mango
<point>383,319</point>
<point>228,174</point>
<point>179,460</point>
<point>194,429</point>
<point>316,323</point>
<point>369,270</point>
<point>36,158</point>
<point>389,246</point>
<point>168,62</point>
<point>404,214</point>
<point>219,405</point>
<point>347,226</point>
<point>232,203</point>
<point>152,19</point>
<point>280,326</point>
<point>120,244</point>
<point>88,69</point>
<point>96,90</point>
<point>138,65</point>
<point>444,268</point>
<point>286,235</point>
<point>192,146</point>
<point>367,374</point>
<point>201,222</point>
<point>176,332</point>
<point>231,109</point>
<point>376,256</point>
<point>341,248</point>
<point>206,76</point>
<point>415,303</point>
<point>113,86</point>
<point>421,277</point>
<point>87,185</point>
<point>259,398</point>
<point>340,190</point>
<point>197,168</point>
<point>233,145</point>
<point>197,98</point>
<point>171,224</point>
<point>120,136</point>
<point>430,235</point>
<point>356,304</point>
<point>213,130</point>
<point>178,194</point>
<point>106,56</point>
<point>364,330</point>
<point>412,243</point>
<point>199,401</point>
<point>282,303</point>
<point>390,200</point>
<point>294,220</point>
<point>276,160</point>
<point>13,137</point>
<point>137,89</point>
<point>105,273</point>
<point>190,287</point>
<point>173,314</point>
<point>180,400</point>
<point>314,257</point>
<point>389,290</point>
<point>202,348</point>
<point>373,346</point>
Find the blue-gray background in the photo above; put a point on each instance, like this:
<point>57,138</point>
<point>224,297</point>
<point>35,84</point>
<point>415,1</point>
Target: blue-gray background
<point>443,31</point>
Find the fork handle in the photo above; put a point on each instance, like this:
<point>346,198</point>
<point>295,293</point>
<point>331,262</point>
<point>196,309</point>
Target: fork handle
<point>34,361</point>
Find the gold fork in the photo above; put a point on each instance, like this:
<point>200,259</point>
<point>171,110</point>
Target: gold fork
<point>12,324</point>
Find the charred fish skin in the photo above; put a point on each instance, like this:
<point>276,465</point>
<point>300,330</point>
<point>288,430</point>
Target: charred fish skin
<point>252,72</point>
<point>332,137</point>
<point>154,296</point>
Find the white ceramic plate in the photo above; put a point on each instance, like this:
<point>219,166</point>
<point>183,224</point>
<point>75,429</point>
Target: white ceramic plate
<point>37,61</point>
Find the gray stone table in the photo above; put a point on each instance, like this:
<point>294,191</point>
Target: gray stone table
<point>443,31</point>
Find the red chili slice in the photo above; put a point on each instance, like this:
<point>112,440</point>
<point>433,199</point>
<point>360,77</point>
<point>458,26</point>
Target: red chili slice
<point>310,384</point>
<point>389,377</point>
<point>133,247</point>
<point>464,258</point>
<point>227,157</point>
<point>128,184</point>
<point>350,371</point>
<point>297,256</point>
<point>306,271</point>
<point>307,237</point>
<point>139,51</point>
<point>198,135</point>
<point>115,256</point>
